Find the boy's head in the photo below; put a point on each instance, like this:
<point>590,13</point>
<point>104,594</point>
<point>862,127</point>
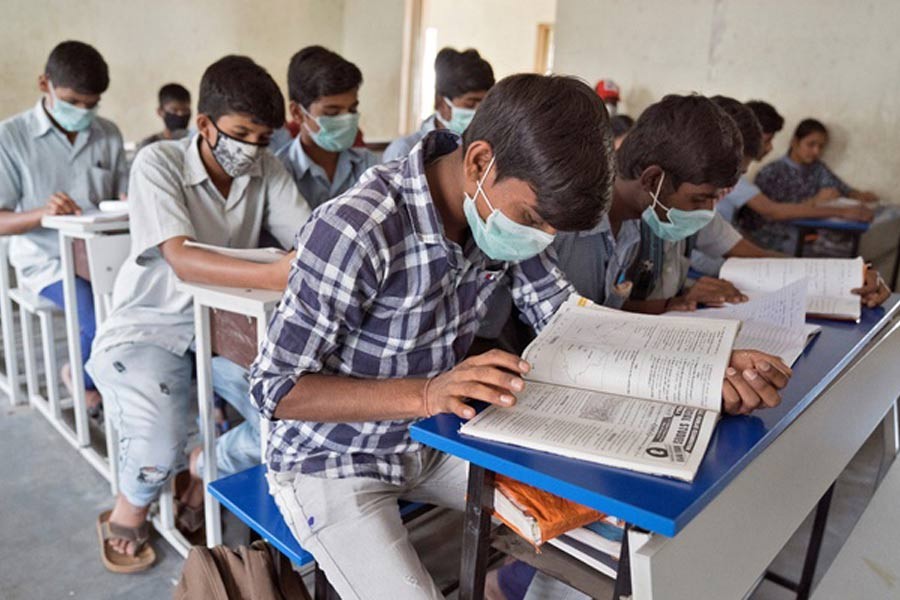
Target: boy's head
<point>241,104</point>
<point>770,121</point>
<point>809,141</point>
<point>548,144</point>
<point>174,106</point>
<point>748,125</point>
<point>462,79</point>
<point>324,91</point>
<point>621,125</point>
<point>73,80</point>
<point>683,151</point>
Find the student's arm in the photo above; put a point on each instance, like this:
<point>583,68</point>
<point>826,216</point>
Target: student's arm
<point>202,266</point>
<point>333,283</point>
<point>539,288</point>
<point>786,211</point>
<point>708,291</point>
<point>286,210</point>
<point>747,249</point>
<point>120,167</point>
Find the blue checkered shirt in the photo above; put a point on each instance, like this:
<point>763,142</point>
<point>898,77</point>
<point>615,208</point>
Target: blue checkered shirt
<point>378,292</point>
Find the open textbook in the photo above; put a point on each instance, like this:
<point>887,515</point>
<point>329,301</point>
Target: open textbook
<point>828,281</point>
<point>89,216</point>
<point>639,392</point>
<point>257,255</point>
<point>772,322</point>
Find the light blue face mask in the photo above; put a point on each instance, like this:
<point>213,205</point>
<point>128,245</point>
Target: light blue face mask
<point>682,224</point>
<point>68,116</point>
<point>500,237</point>
<point>335,134</point>
<point>459,118</point>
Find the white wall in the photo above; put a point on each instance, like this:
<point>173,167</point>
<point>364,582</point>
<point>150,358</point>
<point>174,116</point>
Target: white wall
<point>834,60</point>
<point>147,44</point>
<point>503,31</point>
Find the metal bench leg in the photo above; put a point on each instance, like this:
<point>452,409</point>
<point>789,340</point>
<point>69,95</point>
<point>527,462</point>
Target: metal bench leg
<point>476,533</point>
<point>31,379</point>
<point>8,322</point>
<point>52,374</point>
<point>623,573</point>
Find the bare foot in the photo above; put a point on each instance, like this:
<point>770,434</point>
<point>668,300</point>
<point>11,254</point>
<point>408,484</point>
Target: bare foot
<point>193,495</point>
<point>127,515</point>
<point>91,397</point>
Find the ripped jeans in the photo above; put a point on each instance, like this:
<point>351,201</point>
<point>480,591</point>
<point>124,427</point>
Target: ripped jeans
<point>147,392</point>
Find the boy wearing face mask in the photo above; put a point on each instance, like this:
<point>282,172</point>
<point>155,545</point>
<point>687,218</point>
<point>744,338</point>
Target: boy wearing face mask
<point>59,158</point>
<point>461,81</point>
<point>324,90</point>
<point>220,187</point>
<point>175,111</point>
<point>389,285</point>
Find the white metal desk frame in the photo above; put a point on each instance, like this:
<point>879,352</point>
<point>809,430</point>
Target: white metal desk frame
<point>108,244</point>
<point>10,383</point>
<point>252,303</point>
<point>724,550</point>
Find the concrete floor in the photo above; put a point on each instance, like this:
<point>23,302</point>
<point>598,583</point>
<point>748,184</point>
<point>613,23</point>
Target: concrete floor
<point>50,498</point>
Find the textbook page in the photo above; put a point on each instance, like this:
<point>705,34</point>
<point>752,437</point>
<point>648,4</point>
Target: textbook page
<point>258,255</point>
<point>113,206</point>
<point>87,217</point>
<point>829,281</point>
<point>772,322</point>
<point>655,357</point>
<point>649,437</point>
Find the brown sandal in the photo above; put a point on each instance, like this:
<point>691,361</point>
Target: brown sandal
<point>117,562</point>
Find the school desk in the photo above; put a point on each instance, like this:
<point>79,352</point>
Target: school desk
<point>760,478</point>
<point>230,322</point>
<point>93,251</point>
<point>806,227</point>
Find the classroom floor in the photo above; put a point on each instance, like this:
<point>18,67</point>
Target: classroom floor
<point>49,498</point>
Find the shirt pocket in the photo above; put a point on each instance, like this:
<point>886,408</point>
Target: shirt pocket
<point>99,185</point>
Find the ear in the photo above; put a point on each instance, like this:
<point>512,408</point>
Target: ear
<point>43,83</point>
<point>478,157</point>
<point>650,177</point>
<point>440,107</point>
<point>296,114</point>
<point>206,128</point>
<point>160,112</point>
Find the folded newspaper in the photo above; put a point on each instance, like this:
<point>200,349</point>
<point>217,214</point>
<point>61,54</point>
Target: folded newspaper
<point>639,392</point>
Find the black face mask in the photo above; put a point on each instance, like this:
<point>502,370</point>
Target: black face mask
<point>175,122</point>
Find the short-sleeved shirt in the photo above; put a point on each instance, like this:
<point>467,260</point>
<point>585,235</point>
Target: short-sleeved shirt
<point>714,240</point>
<point>171,196</point>
<point>36,161</point>
<point>736,199</point>
<point>378,292</point>
<point>593,261</point>
<point>401,147</point>
<point>787,181</point>
<point>311,179</point>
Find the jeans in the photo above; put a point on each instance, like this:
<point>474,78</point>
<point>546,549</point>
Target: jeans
<point>88,326</point>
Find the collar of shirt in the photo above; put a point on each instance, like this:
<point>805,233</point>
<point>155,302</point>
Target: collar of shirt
<point>416,196</point>
<point>41,122</point>
<point>429,124</point>
<point>195,172</point>
<point>41,125</point>
<point>347,159</point>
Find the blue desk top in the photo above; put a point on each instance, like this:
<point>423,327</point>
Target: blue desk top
<point>658,504</point>
<point>832,224</point>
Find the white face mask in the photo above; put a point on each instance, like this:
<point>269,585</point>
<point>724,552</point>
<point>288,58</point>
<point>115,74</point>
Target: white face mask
<point>459,117</point>
<point>236,157</point>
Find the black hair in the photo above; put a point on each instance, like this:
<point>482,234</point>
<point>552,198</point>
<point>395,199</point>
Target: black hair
<point>769,119</point>
<point>237,85</point>
<point>621,124</point>
<point>78,66</point>
<point>689,137</point>
<point>458,73</point>
<point>748,124</point>
<point>315,71</point>
<point>553,133</point>
<point>173,92</point>
<point>808,127</point>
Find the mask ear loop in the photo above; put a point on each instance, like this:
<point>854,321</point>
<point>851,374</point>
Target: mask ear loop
<point>656,195</point>
<point>479,189</point>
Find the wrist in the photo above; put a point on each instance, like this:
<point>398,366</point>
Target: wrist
<point>427,402</point>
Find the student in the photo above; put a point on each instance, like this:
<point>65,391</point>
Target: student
<point>324,89</point>
<point>174,109</point>
<point>221,187</point>
<point>621,125</point>
<point>798,177</point>
<point>745,193</point>
<point>461,81</point>
<point>608,91</point>
<point>382,304</point>
<point>59,158</point>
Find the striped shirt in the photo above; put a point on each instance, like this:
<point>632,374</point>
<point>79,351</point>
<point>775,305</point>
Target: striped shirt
<point>378,292</point>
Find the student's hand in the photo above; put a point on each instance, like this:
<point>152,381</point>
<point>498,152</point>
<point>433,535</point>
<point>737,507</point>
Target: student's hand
<point>680,304</point>
<point>874,290</point>
<point>856,213</point>
<point>869,197</point>
<point>826,194</point>
<point>492,377</point>
<point>60,204</point>
<point>752,381</point>
<point>714,292</point>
